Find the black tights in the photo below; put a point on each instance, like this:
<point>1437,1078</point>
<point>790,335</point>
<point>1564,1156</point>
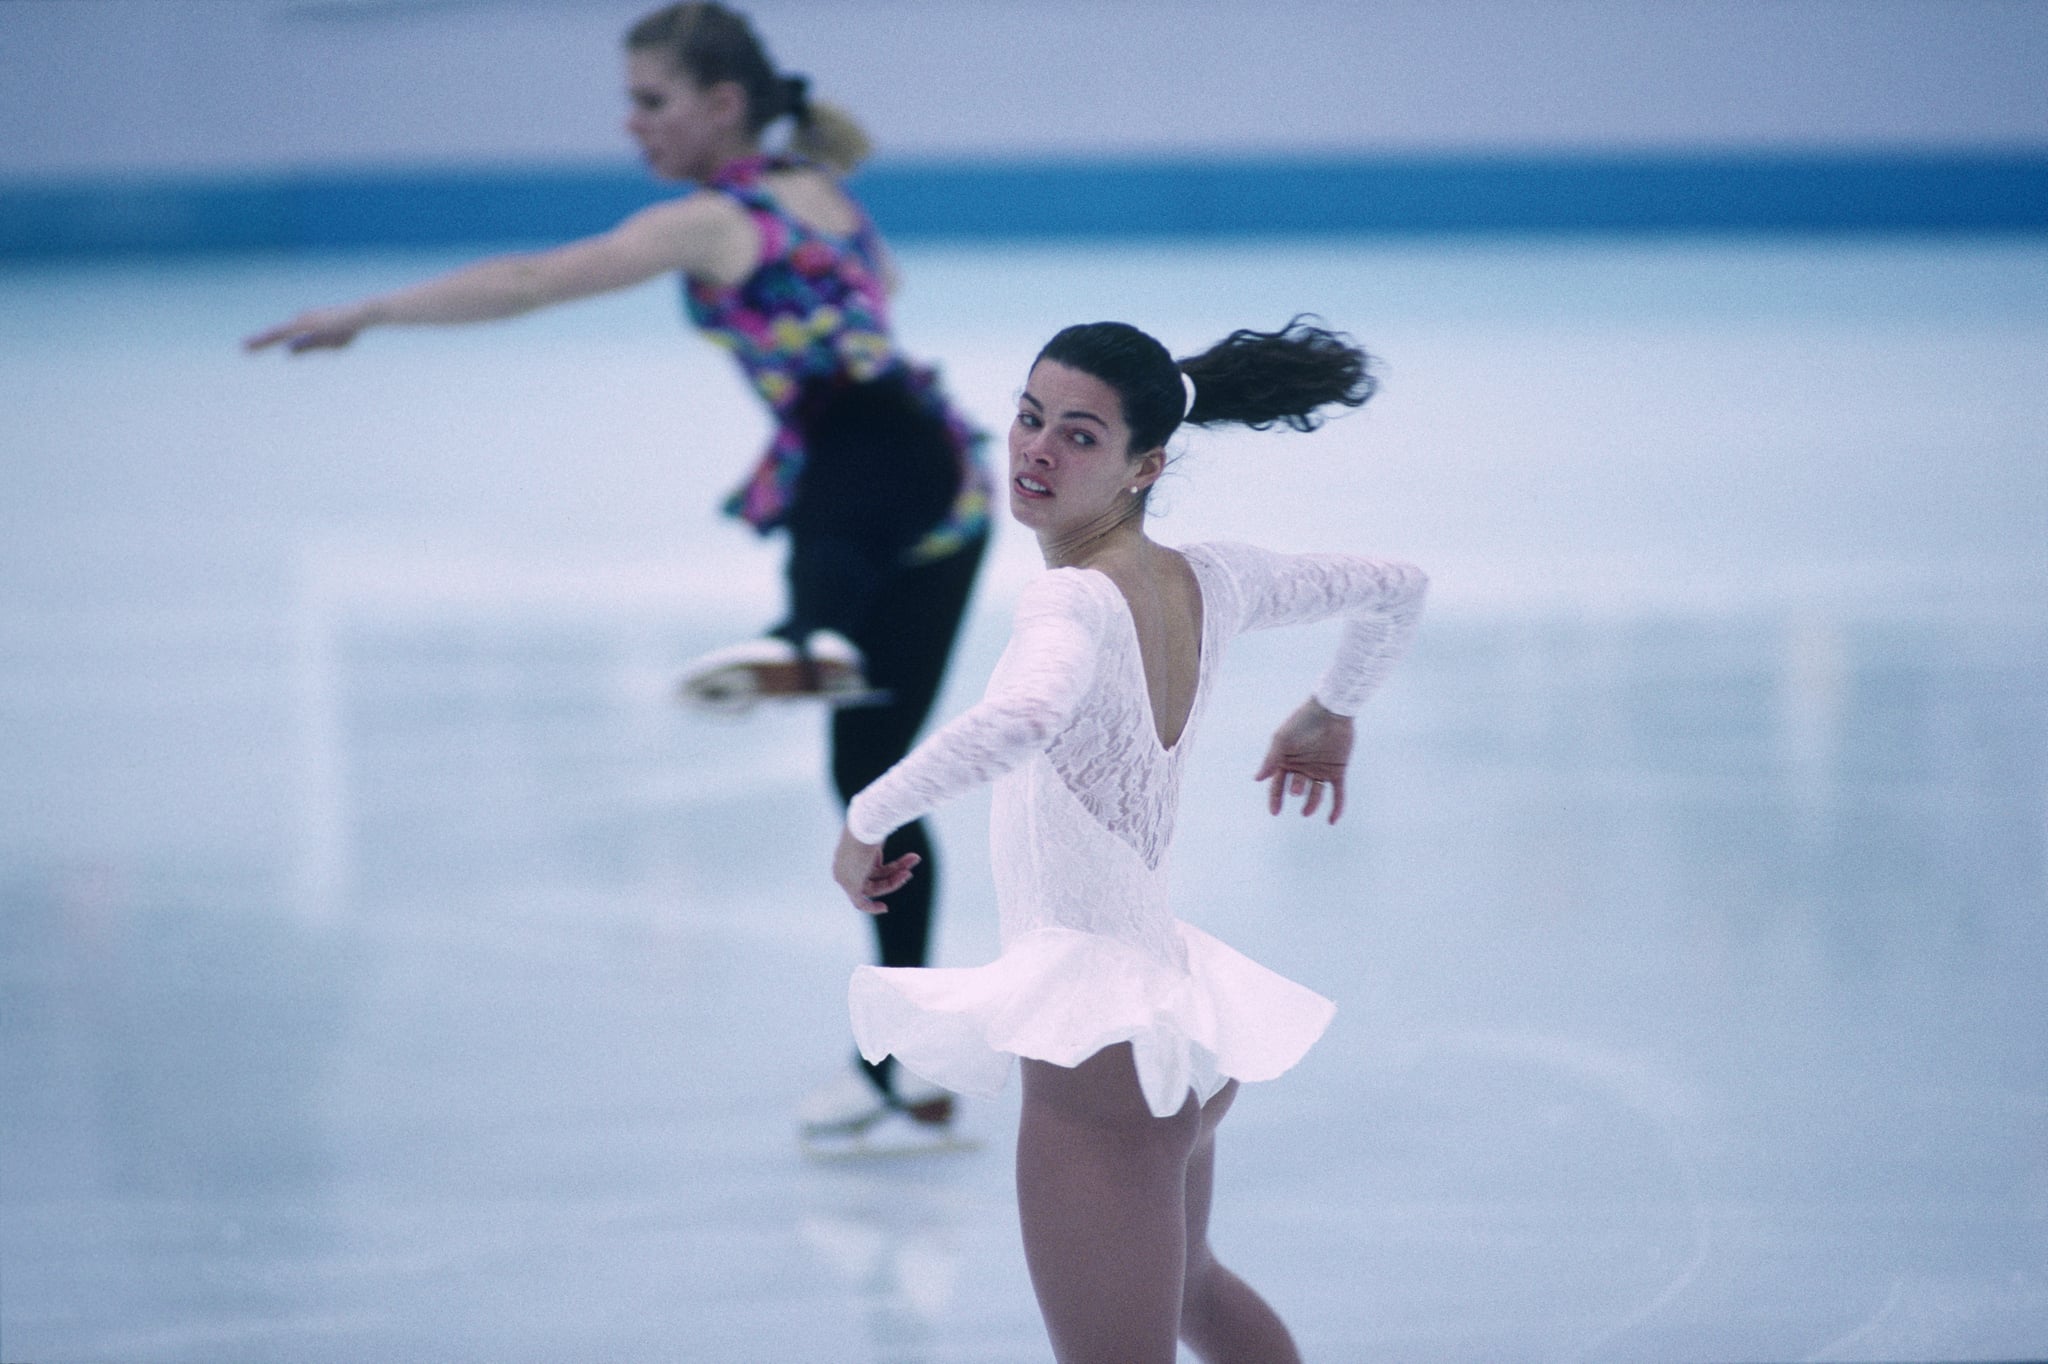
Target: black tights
<point>906,641</point>
<point>878,473</point>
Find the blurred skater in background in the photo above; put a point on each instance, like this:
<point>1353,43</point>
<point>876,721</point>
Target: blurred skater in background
<point>873,475</point>
<point>1133,1027</point>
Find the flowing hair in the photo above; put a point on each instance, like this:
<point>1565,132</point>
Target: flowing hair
<point>1249,378</point>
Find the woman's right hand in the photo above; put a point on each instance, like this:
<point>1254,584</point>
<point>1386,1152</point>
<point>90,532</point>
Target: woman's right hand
<point>1309,751</point>
<point>700,234</point>
<point>320,329</point>
<point>860,871</point>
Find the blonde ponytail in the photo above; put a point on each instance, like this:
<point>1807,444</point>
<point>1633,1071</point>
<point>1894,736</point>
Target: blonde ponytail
<point>827,134</point>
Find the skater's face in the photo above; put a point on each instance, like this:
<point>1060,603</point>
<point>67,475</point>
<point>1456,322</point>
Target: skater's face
<point>1071,464</point>
<point>685,130</point>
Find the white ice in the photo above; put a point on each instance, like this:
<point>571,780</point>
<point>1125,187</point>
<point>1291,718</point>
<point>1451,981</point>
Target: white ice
<point>389,971</point>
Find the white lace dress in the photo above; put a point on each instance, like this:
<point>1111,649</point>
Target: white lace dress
<point>1083,815</point>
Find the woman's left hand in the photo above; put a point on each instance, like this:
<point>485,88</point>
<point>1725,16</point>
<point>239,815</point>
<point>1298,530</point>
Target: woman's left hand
<point>1309,753</point>
<point>860,871</point>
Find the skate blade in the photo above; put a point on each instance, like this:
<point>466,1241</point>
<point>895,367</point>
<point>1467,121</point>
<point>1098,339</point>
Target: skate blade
<point>736,690</point>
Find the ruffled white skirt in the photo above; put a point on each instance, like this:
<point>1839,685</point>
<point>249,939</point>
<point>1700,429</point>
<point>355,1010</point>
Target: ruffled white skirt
<point>1061,995</point>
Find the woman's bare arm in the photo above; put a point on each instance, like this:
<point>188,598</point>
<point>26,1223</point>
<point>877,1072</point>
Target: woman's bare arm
<point>703,234</point>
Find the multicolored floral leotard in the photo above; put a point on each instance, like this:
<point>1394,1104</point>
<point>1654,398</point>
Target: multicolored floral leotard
<point>816,308</point>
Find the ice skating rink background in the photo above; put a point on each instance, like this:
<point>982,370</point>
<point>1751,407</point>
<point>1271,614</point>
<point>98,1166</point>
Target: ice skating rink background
<point>390,971</point>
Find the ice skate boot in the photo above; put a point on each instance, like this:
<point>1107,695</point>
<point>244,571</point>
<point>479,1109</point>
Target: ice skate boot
<point>851,1116</point>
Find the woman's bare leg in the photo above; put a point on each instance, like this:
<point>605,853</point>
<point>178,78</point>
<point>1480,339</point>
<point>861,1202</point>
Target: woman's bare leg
<point>1221,1318</point>
<point>1100,1190</point>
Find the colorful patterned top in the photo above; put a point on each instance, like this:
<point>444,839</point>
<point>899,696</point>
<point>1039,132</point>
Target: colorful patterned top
<point>815,307</point>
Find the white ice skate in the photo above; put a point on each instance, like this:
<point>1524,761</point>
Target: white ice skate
<point>731,680</point>
<point>849,1118</point>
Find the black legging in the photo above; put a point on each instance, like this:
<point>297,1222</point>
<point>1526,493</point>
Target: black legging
<point>878,473</point>
<point>906,643</point>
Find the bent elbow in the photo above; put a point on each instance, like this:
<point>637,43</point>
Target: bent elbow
<point>525,287</point>
<point>1401,587</point>
<point>1035,722</point>
<point>1036,727</point>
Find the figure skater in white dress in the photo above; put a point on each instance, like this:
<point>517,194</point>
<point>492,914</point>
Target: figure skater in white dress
<point>1133,1028</point>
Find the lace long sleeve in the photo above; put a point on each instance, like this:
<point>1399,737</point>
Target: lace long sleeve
<point>1380,600</point>
<point>1036,686</point>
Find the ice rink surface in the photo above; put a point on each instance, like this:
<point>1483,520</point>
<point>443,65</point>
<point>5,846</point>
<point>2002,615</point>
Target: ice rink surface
<point>390,972</point>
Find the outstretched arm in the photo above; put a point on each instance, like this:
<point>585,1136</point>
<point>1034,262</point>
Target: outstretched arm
<point>1379,600</point>
<point>700,234</point>
<point>1041,678</point>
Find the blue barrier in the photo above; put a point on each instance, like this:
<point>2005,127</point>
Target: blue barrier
<point>1959,192</point>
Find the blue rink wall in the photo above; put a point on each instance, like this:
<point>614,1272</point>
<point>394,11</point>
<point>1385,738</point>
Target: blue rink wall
<point>1876,192</point>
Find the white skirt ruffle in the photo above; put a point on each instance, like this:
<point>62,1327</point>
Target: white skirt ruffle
<point>1061,995</point>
